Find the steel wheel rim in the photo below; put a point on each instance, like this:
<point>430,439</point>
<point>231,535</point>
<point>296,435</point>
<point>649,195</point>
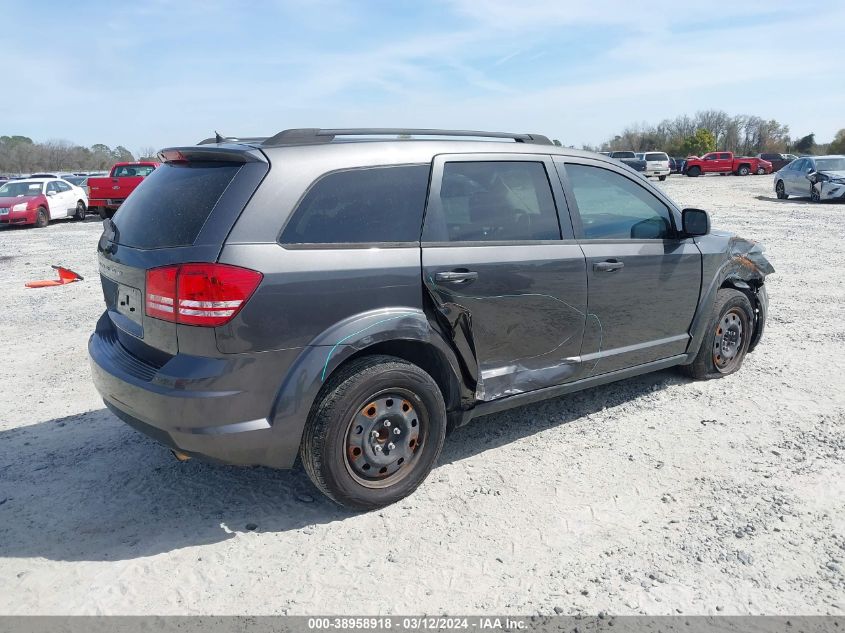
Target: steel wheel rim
<point>385,437</point>
<point>728,340</point>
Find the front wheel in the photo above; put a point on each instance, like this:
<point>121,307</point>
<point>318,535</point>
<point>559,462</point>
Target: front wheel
<point>375,432</point>
<point>42,218</point>
<point>780,190</point>
<point>726,338</point>
<point>105,213</point>
<point>80,211</point>
<point>694,172</point>
<point>815,194</point>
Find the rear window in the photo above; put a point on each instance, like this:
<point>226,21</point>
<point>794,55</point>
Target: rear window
<point>657,156</point>
<point>361,206</point>
<point>132,170</point>
<point>170,207</point>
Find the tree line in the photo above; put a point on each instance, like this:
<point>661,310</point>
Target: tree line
<point>22,155</point>
<point>712,130</point>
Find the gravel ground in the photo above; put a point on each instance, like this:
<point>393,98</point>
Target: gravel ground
<point>654,495</point>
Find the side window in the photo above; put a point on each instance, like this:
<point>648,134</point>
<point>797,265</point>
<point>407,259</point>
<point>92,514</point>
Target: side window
<point>725,156</point>
<point>361,206</point>
<point>63,186</point>
<point>613,207</point>
<point>52,186</point>
<point>489,201</point>
<point>799,165</point>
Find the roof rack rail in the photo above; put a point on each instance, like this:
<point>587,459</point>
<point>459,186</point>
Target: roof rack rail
<point>301,136</point>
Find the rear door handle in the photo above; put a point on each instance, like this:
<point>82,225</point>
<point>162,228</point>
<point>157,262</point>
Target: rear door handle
<point>456,276</point>
<point>609,266</point>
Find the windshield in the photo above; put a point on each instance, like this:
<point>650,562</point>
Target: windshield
<point>18,189</point>
<point>830,164</point>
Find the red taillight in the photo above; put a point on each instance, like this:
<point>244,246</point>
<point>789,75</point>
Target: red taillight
<point>199,294</point>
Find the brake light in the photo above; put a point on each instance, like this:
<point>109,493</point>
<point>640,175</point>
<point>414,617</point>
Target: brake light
<point>209,295</point>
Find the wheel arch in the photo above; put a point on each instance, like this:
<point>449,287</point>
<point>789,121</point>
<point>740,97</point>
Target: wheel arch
<point>405,333</point>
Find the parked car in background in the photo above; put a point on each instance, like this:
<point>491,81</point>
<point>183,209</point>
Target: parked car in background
<point>79,181</point>
<point>817,177</point>
<point>39,200</point>
<point>657,164</point>
<point>107,193</point>
<point>726,163</point>
<point>778,161</point>
<point>217,339</point>
<point>630,159</point>
<point>676,165</point>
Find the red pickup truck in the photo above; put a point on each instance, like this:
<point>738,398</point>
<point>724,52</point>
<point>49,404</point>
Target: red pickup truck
<point>726,163</point>
<point>107,193</point>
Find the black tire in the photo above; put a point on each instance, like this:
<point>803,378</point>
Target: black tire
<point>780,190</point>
<point>743,170</point>
<point>105,213</point>
<point>694,172</point>
<point>42,218</point>
<point>815,195</point>
<point>732,313</point>
<point>80,211</point>
<point>340,455</point>
<point>661,178</point>
<point>761,171</point>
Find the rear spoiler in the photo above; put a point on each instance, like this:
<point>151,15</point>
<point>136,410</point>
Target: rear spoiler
<point>225,154</point>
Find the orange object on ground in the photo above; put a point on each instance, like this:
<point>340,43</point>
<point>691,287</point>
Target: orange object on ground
<point>66,276</point>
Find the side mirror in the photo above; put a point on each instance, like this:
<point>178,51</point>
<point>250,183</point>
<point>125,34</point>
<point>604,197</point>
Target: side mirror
<point>695,222</point>
<point>51,193</point>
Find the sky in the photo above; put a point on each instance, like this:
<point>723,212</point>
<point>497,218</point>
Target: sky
<point>156,73</point>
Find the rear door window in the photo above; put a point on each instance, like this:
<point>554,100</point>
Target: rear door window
<point>170,207</point>
<point>373,205</point>
<point>494,201</point>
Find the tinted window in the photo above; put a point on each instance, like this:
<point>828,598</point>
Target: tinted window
<point>656,156</point>
<point>170,207</point>
<point>613,207</point>
<point>493,201</point>
<point>361,206</point>
<point>724,156</point>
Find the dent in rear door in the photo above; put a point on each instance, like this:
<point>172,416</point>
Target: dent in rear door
<point>515,308</point>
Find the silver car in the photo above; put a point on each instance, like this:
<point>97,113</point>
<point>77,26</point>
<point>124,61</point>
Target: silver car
<point>817,177</point>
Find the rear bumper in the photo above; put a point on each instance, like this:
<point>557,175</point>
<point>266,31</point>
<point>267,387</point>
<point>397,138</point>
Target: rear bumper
<point>218,409</point>
<point>657,172</point>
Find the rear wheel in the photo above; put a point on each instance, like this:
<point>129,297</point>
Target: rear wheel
<point>743,170</point>
<point>80,211</point>
<point>694,172</point>
<point>761,171</point>
<point>105,213</point>
<point>661,178</point>
<point>780,190</point>
<point>42,218</point>
<point>726,338</point>
<point>374,433</point>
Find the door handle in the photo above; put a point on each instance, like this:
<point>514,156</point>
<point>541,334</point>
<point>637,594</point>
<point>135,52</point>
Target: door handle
<point>456,276</point>
<point>609,266</point>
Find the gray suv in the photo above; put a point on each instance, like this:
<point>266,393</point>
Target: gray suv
<point>347,297</point>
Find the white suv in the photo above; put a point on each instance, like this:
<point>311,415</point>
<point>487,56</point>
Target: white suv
<point>656,164</point>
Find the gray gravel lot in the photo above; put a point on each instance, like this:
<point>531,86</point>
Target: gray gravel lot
<point>654,495</point>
